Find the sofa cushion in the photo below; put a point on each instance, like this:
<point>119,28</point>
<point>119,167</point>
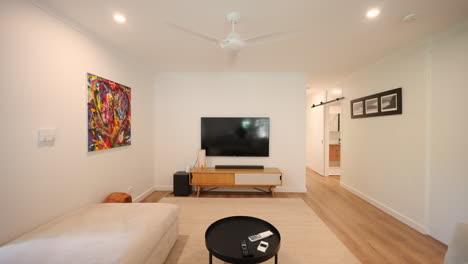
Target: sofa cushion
<point>100,233</point>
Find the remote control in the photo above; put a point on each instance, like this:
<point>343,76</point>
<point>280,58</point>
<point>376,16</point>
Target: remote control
<point>259,236</point>
<point>245,249</point>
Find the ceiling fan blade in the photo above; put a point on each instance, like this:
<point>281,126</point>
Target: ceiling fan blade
<point>270,37</point>
<point>194,33</point>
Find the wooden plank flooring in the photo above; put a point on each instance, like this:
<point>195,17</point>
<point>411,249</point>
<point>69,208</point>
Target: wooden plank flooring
<point>370,234</point>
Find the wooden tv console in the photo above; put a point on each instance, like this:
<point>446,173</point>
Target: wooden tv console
<point>237,178</point>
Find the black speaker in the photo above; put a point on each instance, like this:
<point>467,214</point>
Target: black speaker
<point>181,184</point>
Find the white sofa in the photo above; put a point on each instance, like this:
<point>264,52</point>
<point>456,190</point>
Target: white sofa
<point>102,233</point>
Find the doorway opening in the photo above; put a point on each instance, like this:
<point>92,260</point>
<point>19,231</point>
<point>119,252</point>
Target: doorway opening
<point>333,130</point>
<point>324,132</point>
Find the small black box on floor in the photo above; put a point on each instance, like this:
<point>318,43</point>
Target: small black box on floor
<point>181,184</point>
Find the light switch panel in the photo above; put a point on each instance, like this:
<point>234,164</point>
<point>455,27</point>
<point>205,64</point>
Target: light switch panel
<point>47,134</point>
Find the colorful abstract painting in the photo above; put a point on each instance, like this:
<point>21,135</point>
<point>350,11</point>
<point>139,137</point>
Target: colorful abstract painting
<point>109,115</point>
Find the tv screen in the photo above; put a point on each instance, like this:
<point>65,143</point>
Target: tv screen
<point>236,136</point>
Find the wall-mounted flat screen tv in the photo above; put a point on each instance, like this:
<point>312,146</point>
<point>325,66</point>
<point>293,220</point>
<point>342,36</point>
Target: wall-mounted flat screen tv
<point>236,136</point>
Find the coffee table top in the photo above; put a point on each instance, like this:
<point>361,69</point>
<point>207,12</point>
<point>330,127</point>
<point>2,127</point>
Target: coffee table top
<point>223,238</point>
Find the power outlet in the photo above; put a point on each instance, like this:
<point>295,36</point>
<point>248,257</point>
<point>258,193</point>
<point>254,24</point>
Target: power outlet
<point>130,190</point>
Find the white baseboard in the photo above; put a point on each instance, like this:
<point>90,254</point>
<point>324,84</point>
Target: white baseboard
<point>163,188</point>
<point>406,220</point>
<point>143,195</point>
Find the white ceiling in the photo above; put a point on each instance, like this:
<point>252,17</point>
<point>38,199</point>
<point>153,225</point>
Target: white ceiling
<point>336,38</point>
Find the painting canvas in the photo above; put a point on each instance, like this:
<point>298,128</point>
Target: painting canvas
<point>109,114</point>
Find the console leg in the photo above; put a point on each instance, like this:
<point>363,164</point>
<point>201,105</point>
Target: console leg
<point>272,190</point>
<point>198,191</point>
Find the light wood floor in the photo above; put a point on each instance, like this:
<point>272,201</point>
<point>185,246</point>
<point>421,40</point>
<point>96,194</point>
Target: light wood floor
<point>370,234</point>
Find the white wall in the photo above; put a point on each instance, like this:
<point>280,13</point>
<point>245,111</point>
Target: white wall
<point>315,137</point>
<point>181,99</point>
<point>43,84</point>
<point>413,165</point>
<point>448,194</point>
<point>384,157</point>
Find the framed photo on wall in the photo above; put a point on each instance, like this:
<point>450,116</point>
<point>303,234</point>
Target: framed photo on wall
<point>358,108</point>
<point>381,104</point>
<point>372,106</point>
<point>389,103</point>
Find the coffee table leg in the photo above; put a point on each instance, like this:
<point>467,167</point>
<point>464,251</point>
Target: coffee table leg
<point>276,259</point>
<point>211,258</point>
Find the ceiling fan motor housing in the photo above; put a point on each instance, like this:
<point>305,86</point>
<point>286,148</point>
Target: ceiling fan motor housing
<point>232,42</point>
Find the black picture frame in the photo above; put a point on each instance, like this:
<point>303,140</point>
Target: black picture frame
<point>382,104</point>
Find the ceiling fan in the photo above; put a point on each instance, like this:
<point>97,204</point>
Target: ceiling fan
<point>233,42</point>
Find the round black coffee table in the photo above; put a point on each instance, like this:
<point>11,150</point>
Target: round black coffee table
<point>223,237</point>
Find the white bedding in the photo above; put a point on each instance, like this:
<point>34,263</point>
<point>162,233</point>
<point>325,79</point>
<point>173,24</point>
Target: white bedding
<point>101,233</point>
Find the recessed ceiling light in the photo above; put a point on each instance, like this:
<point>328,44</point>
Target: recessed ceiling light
<point>336,91</point>
<point>119,18</point>
<point>372,13</point>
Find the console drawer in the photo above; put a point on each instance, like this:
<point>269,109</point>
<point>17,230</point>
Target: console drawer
<point>212,178</point>
<point>258,179</point>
